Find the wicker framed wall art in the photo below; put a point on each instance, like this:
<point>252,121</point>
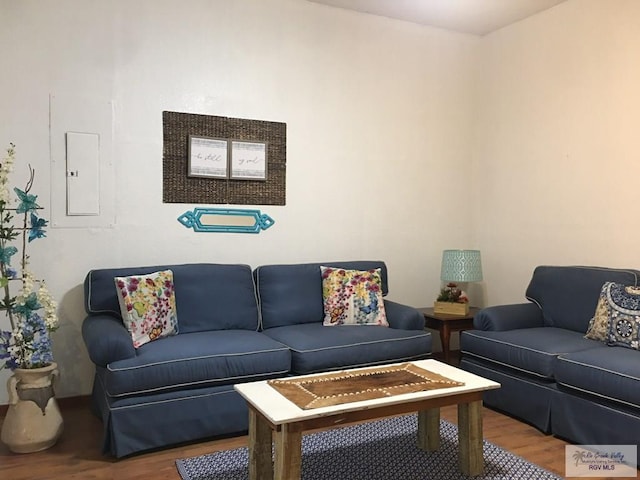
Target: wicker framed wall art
<point>194,171</point>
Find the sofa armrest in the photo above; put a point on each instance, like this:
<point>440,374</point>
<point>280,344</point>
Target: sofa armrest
<point>403,317</point>
<point>508,317</point>
<point>107,339</point>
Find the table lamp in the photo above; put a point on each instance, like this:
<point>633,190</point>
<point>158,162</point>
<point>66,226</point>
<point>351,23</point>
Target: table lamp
<point>458,266</point>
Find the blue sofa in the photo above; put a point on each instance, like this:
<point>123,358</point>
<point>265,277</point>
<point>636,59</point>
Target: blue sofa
<point>551,375</point>
<point>235,325</point>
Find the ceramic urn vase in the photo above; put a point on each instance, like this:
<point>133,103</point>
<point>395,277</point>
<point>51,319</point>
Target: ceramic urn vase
<point>33,421</point>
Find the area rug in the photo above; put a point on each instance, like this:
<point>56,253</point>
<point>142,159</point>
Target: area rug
<point>383,449</point>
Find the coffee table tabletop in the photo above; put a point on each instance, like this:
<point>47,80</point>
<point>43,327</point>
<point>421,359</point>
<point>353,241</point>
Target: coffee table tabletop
<point>277,409</point>
<point>269,412</point>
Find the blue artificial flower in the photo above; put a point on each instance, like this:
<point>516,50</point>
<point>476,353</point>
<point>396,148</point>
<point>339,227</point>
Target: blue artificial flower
<point>41,356</point>
<point>11,272</point>
<point>42,350</point>
<point>6,253</point>
<point>27,201</point>
<point>35,323</point>
<point>37,225</point>
<point>12,363</point>
<point>28,329</point>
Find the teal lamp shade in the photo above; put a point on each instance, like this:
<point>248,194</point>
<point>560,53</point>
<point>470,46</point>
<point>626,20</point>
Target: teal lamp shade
<point>461,266</point>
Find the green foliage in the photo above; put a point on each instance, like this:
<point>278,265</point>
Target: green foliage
<point>451,293</point>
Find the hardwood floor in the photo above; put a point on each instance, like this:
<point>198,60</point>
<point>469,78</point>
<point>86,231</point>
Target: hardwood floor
<point>77,453</point>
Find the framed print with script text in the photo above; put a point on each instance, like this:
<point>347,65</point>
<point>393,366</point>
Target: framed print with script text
<point>248,160</point>
<point>208,157</point>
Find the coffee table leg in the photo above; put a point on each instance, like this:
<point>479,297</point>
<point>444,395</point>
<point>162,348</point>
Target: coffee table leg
<point>260,463</point>
<point>288,455</point>
<point>429,429</point>
<point>471,457</point>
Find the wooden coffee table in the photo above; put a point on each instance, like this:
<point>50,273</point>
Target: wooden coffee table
<point>273,417</point>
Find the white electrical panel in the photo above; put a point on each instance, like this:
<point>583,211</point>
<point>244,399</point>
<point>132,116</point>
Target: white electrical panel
<point>83,169</point>
<point>82,173</point>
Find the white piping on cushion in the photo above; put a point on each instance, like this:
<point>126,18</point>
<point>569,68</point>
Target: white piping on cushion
<point>367,364</point>
<point>506,374</point>
<point>595,394</point>
<point>210,380</point>
<point>169,400</point>
<point>426,334</point>
<point>190,397</point>
<point>135,367</point>
<point>515,345</point>
<point>513,367</point>
<point>118,313</point>
<point>564,359</point>
<point>89,302</point>
<point>383,273</point>
<point>591,392</point>
<point>259,298</point>
<point>256,296</point>
<point>604,269</point>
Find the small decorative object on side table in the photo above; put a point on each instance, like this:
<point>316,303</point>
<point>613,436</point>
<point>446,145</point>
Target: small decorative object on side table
<point>446,323</point>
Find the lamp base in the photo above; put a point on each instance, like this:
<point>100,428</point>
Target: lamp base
<point>451,308</point>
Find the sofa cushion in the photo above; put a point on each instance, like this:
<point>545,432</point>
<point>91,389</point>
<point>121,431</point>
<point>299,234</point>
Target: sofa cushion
<point>568,295</point>
<point>352,297</point>
<point>198,359</point>
<point>531,350</point>
<point>316,348</point>
<point>208,296</point>
<point>292,294</point>
<point>611,373</point>
<point>148,306</point>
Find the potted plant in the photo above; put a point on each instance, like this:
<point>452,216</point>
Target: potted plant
<point>33,421</point>
<point>452,300</point>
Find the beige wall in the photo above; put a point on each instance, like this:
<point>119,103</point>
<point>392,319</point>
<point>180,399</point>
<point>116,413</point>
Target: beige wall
<point>556,154</point>
<point>402,140</point>
<point>378,127</point>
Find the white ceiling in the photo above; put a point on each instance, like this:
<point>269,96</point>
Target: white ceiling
<point>477,17</point>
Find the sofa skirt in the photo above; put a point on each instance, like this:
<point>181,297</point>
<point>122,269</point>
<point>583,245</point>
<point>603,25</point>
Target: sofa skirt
<point>137,424</point>
<point>528,399</point>
<point>585,422</point>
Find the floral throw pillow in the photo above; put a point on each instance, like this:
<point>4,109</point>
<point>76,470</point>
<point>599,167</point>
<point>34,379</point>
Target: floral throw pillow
<point>617,317</point>
<point>352,297</point>
<point>148,306</point>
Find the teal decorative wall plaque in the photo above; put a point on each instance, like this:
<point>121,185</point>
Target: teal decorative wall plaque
<point>226,220</point>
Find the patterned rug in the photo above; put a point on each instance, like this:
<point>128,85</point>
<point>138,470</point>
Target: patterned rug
<point>383,449</point>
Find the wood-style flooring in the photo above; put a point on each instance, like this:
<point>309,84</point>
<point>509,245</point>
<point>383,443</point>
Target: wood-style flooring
<point>77,453</point>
